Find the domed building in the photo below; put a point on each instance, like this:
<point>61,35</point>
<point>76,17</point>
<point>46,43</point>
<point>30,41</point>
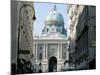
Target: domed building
<point>54,23</point>
<point>50,50</point>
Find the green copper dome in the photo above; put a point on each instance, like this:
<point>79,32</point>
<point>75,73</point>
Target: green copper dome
<point>54,18</point>
<point>54,24</point>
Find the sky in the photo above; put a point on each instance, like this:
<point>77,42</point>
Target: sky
<point>42,10</point>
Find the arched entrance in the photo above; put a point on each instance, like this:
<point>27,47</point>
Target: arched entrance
<point>52,64</point>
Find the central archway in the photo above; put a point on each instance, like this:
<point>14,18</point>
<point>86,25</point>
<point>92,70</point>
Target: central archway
<point>52,64</point>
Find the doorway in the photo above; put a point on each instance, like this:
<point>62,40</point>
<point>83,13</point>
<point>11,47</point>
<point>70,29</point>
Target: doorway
<point>53,64</point>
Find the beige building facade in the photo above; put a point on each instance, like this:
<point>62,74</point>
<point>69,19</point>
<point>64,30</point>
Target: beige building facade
<point>23,16</point>
<point>73,17</point>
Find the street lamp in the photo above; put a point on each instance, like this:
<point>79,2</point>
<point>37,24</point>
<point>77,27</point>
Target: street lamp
<point>20,51</point>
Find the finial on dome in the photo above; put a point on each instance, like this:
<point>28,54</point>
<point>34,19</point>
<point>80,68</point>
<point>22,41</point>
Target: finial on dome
<point>54,7</point>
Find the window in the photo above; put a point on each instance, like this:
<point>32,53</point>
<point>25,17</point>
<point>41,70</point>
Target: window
<point>27,40</point>
<point>29,22</point>
<point>26,11</point>
<point>27,17</point>
<point>40,47</point>
<point>40,56</point>
<point>47,29</point>
<point>23,32</point>
<point>54,13</point>
<point>25,36</point>
<point>21,26</point>
<point>77,6</point>
<point>28,43</point>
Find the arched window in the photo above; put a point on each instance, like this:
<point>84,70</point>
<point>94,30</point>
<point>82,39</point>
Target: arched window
<point>47,29</point>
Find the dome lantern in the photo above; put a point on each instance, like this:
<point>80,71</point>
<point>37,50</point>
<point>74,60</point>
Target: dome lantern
<point>54,8</point>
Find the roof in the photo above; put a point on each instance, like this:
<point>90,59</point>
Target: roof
<point>52,35</point>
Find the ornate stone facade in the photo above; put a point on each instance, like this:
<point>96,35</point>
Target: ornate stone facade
<point>51,48</point>
<point>82,36</point>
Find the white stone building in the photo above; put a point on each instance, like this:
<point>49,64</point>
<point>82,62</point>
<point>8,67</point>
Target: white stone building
<point>51,48</point>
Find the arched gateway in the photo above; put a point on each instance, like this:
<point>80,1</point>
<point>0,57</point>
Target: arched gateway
<point>52,64</point>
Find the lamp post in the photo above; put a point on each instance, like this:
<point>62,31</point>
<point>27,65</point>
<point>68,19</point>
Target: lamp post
<point>20,51</point>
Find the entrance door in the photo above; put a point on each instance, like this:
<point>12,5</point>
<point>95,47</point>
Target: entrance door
<point>53,64</point>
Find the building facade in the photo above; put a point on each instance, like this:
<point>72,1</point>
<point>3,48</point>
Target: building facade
<point>50,50</point>
<point>86,39</point>
<point>73,17</point>
<point>22,35</point>
<point>82,33</point>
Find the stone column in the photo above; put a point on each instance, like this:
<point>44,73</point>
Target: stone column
<point>58,58</point>
<point>61,51</point>
<point>45,58</point>
<point>36,51</point>
<point>58,51</point>
<point>46,50</point>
